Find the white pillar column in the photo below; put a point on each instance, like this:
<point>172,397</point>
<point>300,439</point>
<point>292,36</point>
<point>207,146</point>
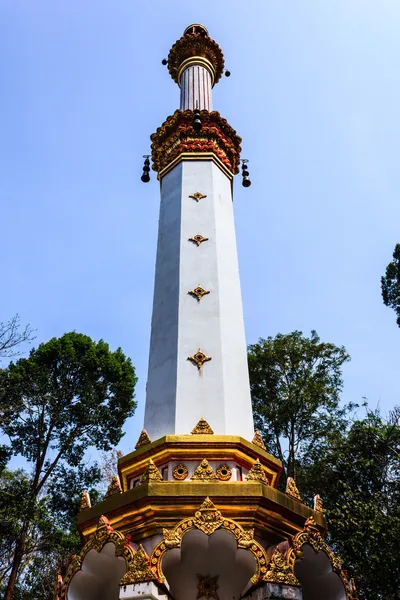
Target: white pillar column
<point>196,86</point>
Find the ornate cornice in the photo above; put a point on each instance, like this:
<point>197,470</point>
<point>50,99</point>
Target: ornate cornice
<point>197,46</point>
<point>177,136</point>
<point>208,519</point>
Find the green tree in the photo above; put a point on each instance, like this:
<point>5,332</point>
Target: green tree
<point>390,284</point>
<point>295,384</point>
<point>69,394</point>
<point>357,472</point>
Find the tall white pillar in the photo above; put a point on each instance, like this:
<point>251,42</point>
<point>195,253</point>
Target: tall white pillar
<point>196,85</point>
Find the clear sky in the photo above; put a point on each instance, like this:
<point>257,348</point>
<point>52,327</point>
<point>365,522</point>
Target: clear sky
<point>315,94</point>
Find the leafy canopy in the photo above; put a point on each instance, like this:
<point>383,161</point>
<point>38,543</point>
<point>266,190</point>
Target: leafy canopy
<point>390,284</point>
<point>295,384</point>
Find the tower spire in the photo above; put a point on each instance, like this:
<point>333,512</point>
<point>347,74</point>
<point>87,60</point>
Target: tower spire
<point>198,360</point>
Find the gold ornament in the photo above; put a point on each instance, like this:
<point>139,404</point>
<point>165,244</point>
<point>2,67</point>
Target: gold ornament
<point>139,570</point>
<point>198,292</point>
<point>143,439</point>
<point>171,539</point>
<point>151,473</point>
<point>114,487</point>
<point>198,239</point>
<point>224,473</point>
<point>207,587</point>
<point>257,473</point>
<point>208,518</point>
<point>318,505</point>
<point>204,472</point>
<point>85,500</point>
<point>279,570</point>
<point>198,196</point>
<point>258,441</point>
<point>291,489</point>
<point>202,427</point>
<point>180,472</point>
<point>199,358</point>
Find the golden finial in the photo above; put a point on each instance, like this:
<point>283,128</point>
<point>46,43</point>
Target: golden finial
<point>151,473</point>
<point>291,489</point>
<point>202,427</point>
<point>114,487</point>
<point>258,441</point>
<point>85,500</point>
<point>143,439</point>
<point>257,473</point>
<point>318,504</point>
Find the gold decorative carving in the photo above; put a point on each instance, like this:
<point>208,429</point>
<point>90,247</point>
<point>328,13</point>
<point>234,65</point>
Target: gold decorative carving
<point>199,358</point>
<point>114,487</point>
<point>143,439</point>
<point>207,587</point>
<point>208,519</point>
<point>312,536</point>
<point>139,570</point>
<point>318,504</point>
<point>198,292</point>
<point>257,473</point>
<point>198,239</point>
<point>224,473</point>
<point>258,441</point>
<point>202,427</point>
<point>151,473</point>
<point>137,563</point>
<point>196,43</point>
<point>279,570</point>
<point>198,196</point>
<point>85,500</point>
<point>177,136</point>
<point>291,489</point>
<point>204,472</point>
<point>180,472</point>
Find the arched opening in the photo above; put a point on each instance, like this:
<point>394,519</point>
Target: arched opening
<point>317,578</point>
<point>99,576</point>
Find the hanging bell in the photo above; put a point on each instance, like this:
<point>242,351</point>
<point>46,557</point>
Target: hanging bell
<point>197,125</point>
<point>246,182</point>
<point>146,169</point>
<point>245,174</point>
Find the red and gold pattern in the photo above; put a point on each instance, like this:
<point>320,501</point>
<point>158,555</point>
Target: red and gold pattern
<point>196,43</point>
<point>177,136</point>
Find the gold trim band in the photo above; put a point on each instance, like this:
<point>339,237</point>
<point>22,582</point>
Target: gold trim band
<point>196,61</point>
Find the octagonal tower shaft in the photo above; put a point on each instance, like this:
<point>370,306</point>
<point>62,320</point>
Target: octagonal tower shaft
<point>198,360</point>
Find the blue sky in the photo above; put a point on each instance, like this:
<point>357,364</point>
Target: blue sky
<point>314,93</point>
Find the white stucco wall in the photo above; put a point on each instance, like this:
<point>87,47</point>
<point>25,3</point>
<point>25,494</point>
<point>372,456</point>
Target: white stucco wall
<point>178,394</point>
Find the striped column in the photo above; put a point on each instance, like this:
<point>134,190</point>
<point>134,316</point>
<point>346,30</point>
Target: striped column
<point>196,88</point>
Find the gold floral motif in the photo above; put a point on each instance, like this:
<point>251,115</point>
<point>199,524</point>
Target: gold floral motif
<point>196,43</point>
<point>143,439</point>
<point>199,358</point>
<point>151,473</point>
<point>198,292</point>
<point>103,535</point>
<point>202,427</point>
<point>279,570</point>
<point>85,500</point>
<point>180,472</point>
<point>204,472</point>
<point>224,473</point>
<point>207,587</point>
<point>208,519</point>
<point>114,487</point>
<point>177,135</point>
<point>312,536</point>
<point>257,473</point>
<point>198,239</point>
<point>291,489</point>
<point>198,196</point>
<point>258,441</point>
<point>318,504</point>
<point>139,570</point>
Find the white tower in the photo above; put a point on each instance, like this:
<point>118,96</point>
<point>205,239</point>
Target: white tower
<point>198,361</point>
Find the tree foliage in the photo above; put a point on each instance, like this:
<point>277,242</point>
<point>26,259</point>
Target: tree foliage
<point>13,335</point>
<point>390,284</point>
<point>69,394</point>
<point>358,474</point>
<point>295,384</point>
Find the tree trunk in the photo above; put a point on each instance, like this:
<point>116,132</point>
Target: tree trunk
<point>18,556</point>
